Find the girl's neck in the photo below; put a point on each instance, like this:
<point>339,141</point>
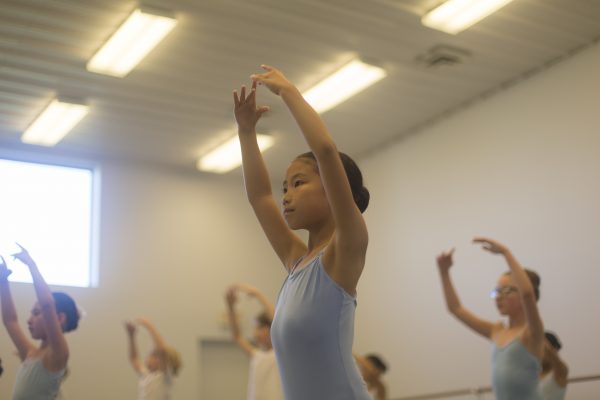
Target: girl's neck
<point>516,321</point>
<point>319,237</point>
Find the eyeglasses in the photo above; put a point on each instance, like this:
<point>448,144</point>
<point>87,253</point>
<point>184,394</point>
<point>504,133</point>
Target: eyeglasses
<point>504,290</point>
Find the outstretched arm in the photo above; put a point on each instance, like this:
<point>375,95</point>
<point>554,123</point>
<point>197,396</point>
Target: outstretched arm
<point>242,342</point>
<point>58,355</point>
<point>9,314</point>
<point>134,358</point>
<point>260,296</point>
<point>481,326</point>
<point>257,181</point>
<point>534,338</point>
<point>347,255</point>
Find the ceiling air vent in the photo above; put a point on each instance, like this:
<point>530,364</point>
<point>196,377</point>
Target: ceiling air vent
<point>443,56</point>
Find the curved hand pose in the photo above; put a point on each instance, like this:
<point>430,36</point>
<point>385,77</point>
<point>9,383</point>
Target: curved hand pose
<point>161,364</point>
<point>43,367</point>
<point>518,346</point>
<point>323,193</point>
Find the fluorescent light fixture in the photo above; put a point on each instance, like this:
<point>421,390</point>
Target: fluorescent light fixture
<point>346,82</point>
<point>455,16</point>
<point>142,31</point>
<point>54,123</point>
<point>228,156</point>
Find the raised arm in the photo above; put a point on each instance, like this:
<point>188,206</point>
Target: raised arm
<point>256,178</point>
<point>56,359</point>
<point>9,314</point>
<point>268,307</point>
<point>351,238</point>
<point>560,370</point>
<point>481,326</point>
<point>534,334</point>
<point>242,342</point>
<point>134,358</point>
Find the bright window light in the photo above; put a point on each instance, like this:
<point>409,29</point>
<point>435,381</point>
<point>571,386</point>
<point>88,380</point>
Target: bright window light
<point>346,82</point>
<point>138,35</point>
<point>228,156</point>
<point>52,125</point>
<point>455,16</point>
<point>48,210</point>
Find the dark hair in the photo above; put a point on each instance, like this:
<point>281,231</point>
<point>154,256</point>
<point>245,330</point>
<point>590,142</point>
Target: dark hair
<point>377,362</point>
<point>535,280</point>
<point>553,340</point>
<point>263,320</point>
<point>359,192</point>
<point>66,305</point>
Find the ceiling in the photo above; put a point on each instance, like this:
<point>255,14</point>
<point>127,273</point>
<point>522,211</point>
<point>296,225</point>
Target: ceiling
<point>178,102</point>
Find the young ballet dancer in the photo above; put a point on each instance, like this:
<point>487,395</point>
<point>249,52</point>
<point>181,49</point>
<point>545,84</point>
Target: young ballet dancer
<point>518,345</point>
<point>553,380</point>
<point>161,365</point>
<point>323,193</point>
<point>372,368</point>
<point>263,378</point>
<point>43,367</point>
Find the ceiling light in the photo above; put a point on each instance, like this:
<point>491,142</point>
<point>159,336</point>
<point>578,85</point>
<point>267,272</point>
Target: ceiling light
<point>455,16</point>
<point>346,82</point>
<point>229,156</point>
<point>138,35</point>
<point>54,123</point>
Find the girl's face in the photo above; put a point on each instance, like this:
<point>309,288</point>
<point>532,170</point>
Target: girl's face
<point>507,296</point>
<point>35,323</point>
<point>153,362</point>
<point>304,201</point>
<point>262,335</point>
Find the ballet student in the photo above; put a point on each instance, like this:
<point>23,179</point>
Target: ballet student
<point>263,377</point>
<point>553,380</point>
<point>323,193</point>
<point>43,366</point>
<point>372,367</point>
<point>161,365</point>
<point>519,343</point>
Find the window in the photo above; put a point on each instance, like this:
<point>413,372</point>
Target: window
<point>48,210</point>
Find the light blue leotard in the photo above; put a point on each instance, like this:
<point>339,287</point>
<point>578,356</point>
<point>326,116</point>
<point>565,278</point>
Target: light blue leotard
<point>35,382</point>
<point>312,335</point>
<point>515,372</point>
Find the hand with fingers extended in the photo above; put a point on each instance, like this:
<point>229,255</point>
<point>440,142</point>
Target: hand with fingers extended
<point>444,260</point>
<point>272,79</point>
<point>491,245</point>
<point>231,296</point>
<point>245,110</point>
<point>4,271</point>
<point>23,256</point>
<point>130,327</point>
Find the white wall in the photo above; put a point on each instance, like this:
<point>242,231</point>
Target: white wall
<point>522,167</point>
<point>170,245</point>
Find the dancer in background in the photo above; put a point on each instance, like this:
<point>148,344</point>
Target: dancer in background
<point>161,365</point>
<point>323,193</point>
<point>519,344</point>
<point>263,378</point>
<point>44,366</point>
<point>372,368</point>
<point>553,380</point>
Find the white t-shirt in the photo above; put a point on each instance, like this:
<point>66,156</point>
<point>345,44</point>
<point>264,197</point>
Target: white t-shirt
<point>263,380</point>
<point>154,385</point>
